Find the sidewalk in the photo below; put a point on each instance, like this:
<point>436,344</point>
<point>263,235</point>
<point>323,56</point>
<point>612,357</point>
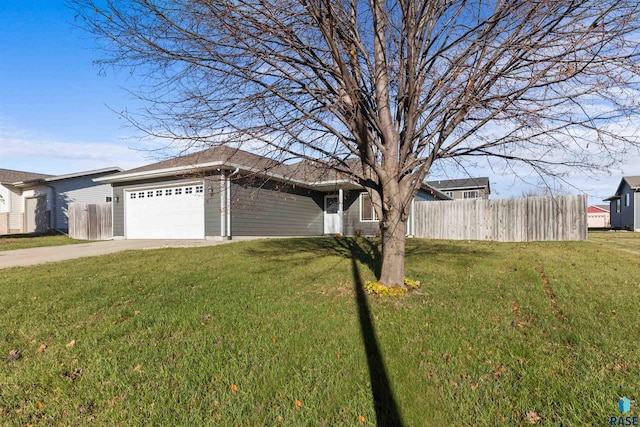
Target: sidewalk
<point>34,256</point>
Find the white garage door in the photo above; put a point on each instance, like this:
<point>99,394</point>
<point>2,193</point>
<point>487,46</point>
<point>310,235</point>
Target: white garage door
<point>165,213</point>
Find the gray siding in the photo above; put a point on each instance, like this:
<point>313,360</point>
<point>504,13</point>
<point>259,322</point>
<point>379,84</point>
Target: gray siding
<point>626,212</point>
<point>118,211</point>
<point>77,190</point>
<point>352,224</point>
<point>273,209</point>
<point>636,204</point>
<point>615,217</point>
<point>423,196</point>
<point>212,206</point>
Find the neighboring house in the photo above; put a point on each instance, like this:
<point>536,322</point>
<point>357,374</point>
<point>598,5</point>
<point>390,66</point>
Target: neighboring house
<point>22,209</point>
<point>222,192</point>
<point>38,203</point>
<point>598,216</point>
<point>466,188</point>
<point>624,206</point>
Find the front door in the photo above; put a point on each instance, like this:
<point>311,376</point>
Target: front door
<point>332,215</point>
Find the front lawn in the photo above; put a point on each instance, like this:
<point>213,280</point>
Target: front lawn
<point>274,333</point>
<point>26,241</point>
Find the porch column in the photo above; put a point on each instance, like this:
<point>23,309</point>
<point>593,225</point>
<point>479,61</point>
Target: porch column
<point>340,211</point>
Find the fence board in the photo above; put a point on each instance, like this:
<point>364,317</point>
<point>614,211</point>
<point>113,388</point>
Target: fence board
<point>90,221</point>
<point>506,220</point>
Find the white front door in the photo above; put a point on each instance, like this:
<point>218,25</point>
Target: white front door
<point>332,215</point>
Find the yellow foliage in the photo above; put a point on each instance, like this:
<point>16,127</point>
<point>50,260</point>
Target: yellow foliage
<point>381,290</point>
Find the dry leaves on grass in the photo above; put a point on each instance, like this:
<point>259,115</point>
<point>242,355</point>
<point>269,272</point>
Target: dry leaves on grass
<point>14,355</point>
<point>532,417</point>
<point>42,348</point>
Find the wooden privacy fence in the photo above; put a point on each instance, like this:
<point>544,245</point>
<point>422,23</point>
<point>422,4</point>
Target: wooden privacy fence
<point>90,221</point>
<point>506,220</point>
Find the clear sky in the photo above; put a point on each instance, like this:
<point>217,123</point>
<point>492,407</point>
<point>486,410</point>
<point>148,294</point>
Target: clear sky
<point>56,109</point>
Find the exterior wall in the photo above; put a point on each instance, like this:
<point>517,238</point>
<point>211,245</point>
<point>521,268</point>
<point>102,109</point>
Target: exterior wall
<point>636,204</point>
<point>624,219</point>
<point>598,220</point>
<point>615,217</point>
<point>76,190</point>
<point>626,212</point>
<point>4,223</point>
<point>213,190</point>
<point>352,223</point>
<point>265,208</point>
<point>351,217</point>
<point>5,208</point>
<point>459,194</point>
<point>42,218</point>
<point>16,214</point>
<point>5,199</point>
<point>211,208</point>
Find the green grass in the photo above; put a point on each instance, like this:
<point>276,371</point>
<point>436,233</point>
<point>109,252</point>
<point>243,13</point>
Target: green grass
<point>26,241</point>
<point>160,337</point>
<point>624,240</point>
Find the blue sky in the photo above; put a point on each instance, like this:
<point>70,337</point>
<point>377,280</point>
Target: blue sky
<point>56,109</point>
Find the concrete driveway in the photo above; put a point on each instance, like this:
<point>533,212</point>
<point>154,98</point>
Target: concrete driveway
<point>34,256</point>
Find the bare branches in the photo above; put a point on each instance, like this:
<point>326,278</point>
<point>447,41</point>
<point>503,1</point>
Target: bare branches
<point>396,84</point>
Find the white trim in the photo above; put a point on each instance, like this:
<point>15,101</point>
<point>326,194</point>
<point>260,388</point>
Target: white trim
<point>341,210</point>
<point>373,209</point>
<point>223,208</point>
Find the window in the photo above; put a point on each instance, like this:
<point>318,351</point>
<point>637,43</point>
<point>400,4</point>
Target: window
<point>472,194</point>
<point>149,193</point>
<point>158,193</point>
<point>618,206</point>
<point>141,195</point>
<point>188,190</point>
<point>367,212</point>
<point>178,191</point>
<point>199,188</point>
<point>132,195</point>
<point>449,193</point>
<point>109,199</point>
<point>168,192</point>
<point>626,199</point>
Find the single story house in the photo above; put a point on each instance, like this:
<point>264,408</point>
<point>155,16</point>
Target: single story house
<point>624,205</point>
<point>224,192</point>
<point>37,203</point>
<point>598,216</point>
<point>466,188</point>
<point>21,209</point>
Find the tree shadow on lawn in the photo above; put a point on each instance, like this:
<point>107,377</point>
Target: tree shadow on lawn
<point>300,251</point>
<point>366,252</point>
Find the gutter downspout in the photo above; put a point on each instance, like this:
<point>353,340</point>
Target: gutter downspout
<point>223,204</point>
<point>228,210</point>
<point>341,210</point>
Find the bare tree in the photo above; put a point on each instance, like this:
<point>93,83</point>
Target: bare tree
<point>382,90</point>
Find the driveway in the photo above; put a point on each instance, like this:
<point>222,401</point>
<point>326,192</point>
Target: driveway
<point>34,256</point>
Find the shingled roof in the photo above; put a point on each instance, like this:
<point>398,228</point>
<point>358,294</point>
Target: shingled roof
<point>459,184</point>
<point>633,181</point>
<point>305,172</point>
<point>9,176</point>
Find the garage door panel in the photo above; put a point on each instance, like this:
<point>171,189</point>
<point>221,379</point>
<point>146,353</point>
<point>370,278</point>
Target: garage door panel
<point>167,213</point>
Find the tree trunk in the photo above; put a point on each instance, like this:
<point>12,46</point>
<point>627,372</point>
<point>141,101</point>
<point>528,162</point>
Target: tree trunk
<point>393,229</point>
